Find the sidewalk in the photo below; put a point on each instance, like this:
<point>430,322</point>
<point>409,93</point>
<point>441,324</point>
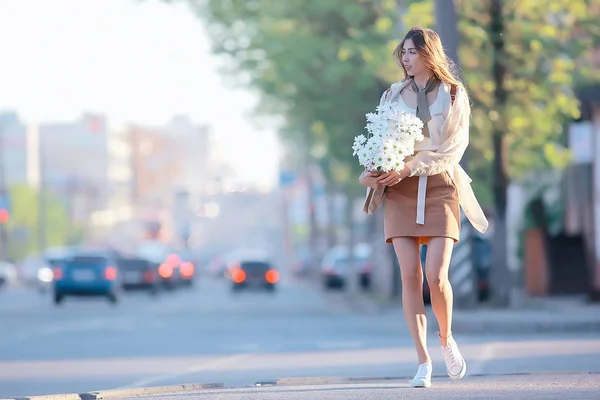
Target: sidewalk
<point>532,315</point>
<point>527,315</point>
<point>564,386</point>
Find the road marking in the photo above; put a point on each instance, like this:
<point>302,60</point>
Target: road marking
<point>340,344</point>
<point>244,347</point>
<point>217,363</point>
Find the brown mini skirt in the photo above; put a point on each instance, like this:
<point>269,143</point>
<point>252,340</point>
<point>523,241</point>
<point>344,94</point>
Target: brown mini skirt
<point>442,209</point>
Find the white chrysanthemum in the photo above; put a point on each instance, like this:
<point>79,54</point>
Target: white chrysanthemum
<point>392,135</point>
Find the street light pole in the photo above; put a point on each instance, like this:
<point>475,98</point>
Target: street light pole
<point>3,193</point>
<point>41,231</point>
<point>463,274</point>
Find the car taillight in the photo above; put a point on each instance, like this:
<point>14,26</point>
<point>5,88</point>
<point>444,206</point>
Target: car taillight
<point>165,270</point>
<point>272,276</point>
<point>187,269</point>
<point>110,273</point>
<point>238,275</point>
<point>57,273</point>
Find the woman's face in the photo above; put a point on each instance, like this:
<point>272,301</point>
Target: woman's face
<point>411,59</point>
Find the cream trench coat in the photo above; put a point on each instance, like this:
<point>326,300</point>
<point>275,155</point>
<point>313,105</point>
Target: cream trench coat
<point>455,139</point>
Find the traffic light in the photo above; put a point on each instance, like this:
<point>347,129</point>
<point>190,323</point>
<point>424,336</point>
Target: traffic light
<point>4,215</point>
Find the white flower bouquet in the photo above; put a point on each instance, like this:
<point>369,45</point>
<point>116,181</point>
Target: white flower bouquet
<point>392,135</point>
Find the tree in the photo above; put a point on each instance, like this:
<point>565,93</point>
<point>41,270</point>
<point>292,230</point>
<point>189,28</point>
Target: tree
<point>521,79</point>
<point>23,223</point>
<point>322,65</point>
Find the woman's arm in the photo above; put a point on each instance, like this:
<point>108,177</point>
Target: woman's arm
<point>453,148</point>
<point>369,179</point>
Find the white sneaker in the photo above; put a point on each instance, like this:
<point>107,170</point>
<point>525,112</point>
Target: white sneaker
<point>423,376</point>
<point>456,366</point>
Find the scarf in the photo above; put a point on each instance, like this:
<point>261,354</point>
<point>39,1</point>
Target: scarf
<point>422,104</point>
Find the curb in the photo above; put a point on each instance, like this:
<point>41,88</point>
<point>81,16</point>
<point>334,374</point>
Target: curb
<point>116,393</point>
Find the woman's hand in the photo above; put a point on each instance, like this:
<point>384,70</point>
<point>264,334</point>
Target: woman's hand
<point>369,179</point>
<point>393,177</point>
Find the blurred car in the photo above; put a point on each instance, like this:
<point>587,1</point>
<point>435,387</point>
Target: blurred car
<point>482,249</point>
<point>177,269</point>
<point>253,270</point>
<point>36,270</point>
<point>88,274</point>
<point>301,267</point>
<point>335,266</point>
<point>186,266</point>
<point>482,259</point>
<point>8,274</point>
<point>138,273</point>
<point>169,275</point>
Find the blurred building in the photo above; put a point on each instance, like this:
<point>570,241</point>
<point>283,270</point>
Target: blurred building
<point>581,193</point>
<point>73,163</point>
<point>118,209</point>
<point>583,183</point>
<point>156,166</point>
<point>194,151</point>
<point>167,161</point>
<point>86,163</point>
<point>120,171</point>
<point>16,159</point>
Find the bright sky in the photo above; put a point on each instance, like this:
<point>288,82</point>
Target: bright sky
<point>134,61</point>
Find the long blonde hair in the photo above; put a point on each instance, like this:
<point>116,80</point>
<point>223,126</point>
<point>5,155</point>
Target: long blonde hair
<point>429,45</point>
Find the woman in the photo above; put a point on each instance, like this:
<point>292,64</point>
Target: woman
<point>422,199</point>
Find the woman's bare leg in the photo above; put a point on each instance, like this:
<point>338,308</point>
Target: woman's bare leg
<point>439,252</point>
<point>407,251</point>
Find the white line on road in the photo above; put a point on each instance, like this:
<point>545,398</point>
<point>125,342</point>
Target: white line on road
<point>55,329</point>
<point>244,347</point>
<point>340,344</point>
<point>217,363</point>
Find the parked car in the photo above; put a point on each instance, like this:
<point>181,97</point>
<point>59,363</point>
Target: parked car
<point>336,266</point>
<point>482,259</point>
<point>253,270</point>
<point>8,274</point>
<point>88,274</point>
<point>139,274</point>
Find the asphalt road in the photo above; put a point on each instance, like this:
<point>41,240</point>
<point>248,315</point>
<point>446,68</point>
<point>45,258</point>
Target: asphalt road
<point>506,387</point>
<point>208,334</point>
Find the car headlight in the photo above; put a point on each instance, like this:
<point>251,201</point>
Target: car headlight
<point>45,274</point>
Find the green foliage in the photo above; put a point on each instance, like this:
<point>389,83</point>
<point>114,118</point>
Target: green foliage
<point>23,225</point>
<point>548,48</point>
<point>323,65</point>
